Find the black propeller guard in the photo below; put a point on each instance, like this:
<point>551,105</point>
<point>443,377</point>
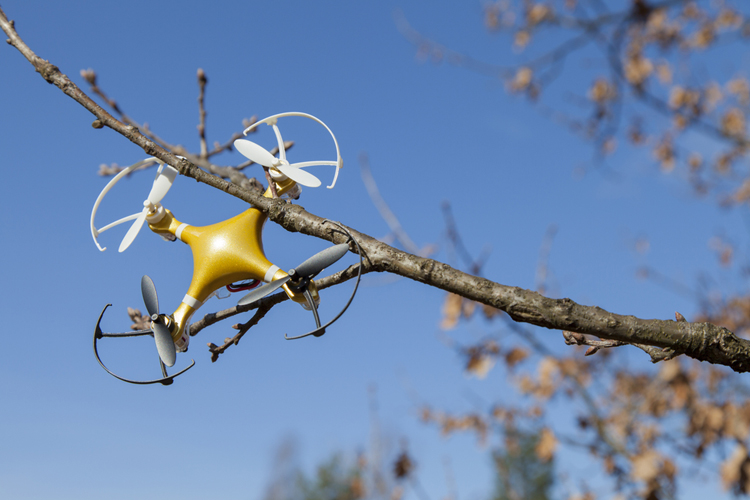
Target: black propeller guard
<point>320,330</point>
<point>165,380</point>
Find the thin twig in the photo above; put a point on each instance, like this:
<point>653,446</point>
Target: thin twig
<point>385,212</point>
<point>243,328</point>
<point>202,81</point>
<point>457,243</point>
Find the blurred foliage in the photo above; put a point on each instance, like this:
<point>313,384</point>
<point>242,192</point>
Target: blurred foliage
<point>333,480</point>
<point>655,74</point>
<point>522,472</point>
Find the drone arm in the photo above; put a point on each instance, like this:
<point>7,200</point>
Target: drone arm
<point>166,224</point>
<point>182,317</point>
<point>281,187</point>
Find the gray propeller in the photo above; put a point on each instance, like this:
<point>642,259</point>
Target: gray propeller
<point>164,343</point>
<point>307,270</point>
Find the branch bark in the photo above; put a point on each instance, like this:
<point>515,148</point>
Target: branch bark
<point>702,341</point>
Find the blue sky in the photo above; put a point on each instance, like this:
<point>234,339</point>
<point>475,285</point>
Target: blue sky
<point>432,133</point>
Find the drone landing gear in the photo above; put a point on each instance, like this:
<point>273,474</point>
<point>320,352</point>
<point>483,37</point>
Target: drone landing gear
<point>165,380</point>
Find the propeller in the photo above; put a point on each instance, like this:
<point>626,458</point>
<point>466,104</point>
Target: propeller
<point>284,167</point>
<point>164,179</point>
<point>164,343</point>
<point>307,270</point>
<point>261,156</point>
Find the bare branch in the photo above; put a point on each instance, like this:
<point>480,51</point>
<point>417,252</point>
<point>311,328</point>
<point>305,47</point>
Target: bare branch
<point>702,341</point>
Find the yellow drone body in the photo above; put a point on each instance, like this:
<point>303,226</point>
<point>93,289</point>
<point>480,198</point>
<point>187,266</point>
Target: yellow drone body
<point>223,253</point>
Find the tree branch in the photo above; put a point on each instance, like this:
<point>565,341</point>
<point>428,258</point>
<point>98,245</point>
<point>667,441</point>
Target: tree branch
<point>702,341</point>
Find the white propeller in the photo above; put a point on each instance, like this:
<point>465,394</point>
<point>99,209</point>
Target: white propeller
<point>163,181</point>
<point>260,155</point>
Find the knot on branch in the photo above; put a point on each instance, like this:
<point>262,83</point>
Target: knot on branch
<point>48,71</point>
<point>284,213</point>
<point>718,345</point>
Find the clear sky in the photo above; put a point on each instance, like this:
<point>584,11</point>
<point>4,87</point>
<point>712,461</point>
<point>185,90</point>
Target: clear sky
<point>432,133</point>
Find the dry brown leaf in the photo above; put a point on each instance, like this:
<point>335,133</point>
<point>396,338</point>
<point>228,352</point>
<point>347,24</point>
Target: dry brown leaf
<point>682,98</point>
<point>680,121</point>
<point>538,13</point>
<point>735,470</point>
<point>728,19</point>
<point>743,192</point>
<point>669,469</point>
<point>665,153</point>
<point>491,18</point>
<point>451,311</point>
<point>664,72</point>
<point>609,145</point>
<point>724,163</point>
<point>480,365</point>
<point>526,384</point>
<point>740,88</point>
<point>695,161</point>
<point>545,447</point>
<point>481,358</point>
<point>646,465</point>
<point>515,356</point>
<point>489,311</point>
<point>657,20</point>
<point>638,69</point>
<point>670,370</point>
<point>733,123</point>
<point>736,422</point>
<point>635,133</point>
<point>548,377</point>
<point>403,466</point>
<point>521,39</point>
<point>522,79</point>
<point>692,11</point>
<point>468,308</point>
<point>712,96</point>
<point>140,321</point>
<point>705,35</point>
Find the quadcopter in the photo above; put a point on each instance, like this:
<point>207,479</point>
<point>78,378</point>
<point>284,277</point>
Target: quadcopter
<point>226,254</point>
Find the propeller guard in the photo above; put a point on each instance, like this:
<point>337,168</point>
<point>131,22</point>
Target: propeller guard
<point>166,378</point>
<point>303,286</point>
<point>284,165</point>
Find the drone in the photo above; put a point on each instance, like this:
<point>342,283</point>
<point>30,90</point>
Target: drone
<point>226,254</point>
